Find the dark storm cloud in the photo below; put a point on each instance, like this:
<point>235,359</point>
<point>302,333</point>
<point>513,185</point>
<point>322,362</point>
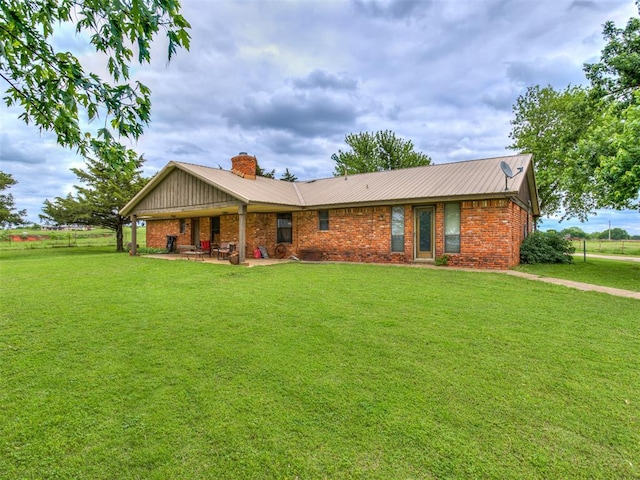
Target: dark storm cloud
<point>286,143</point>
<point>392,10</point>
<point>185,148</point>
<point>297,113</point>
<point>324,80</point>
<point>500,99</point>
<point>583,4</point>
<point>20,152</point>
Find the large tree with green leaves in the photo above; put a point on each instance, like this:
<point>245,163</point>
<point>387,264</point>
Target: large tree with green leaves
<point>52,87</point>
<point>376,152</point>
<point>549,124</point>
<point>8,214</point>
<point>585,140</point>
<point>104,191</point>
<point>617,74</point>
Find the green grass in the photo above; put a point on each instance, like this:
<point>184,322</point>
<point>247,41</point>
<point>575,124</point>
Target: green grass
<point>121,367</point>
<point>609,247</point>
<point>609,273</point>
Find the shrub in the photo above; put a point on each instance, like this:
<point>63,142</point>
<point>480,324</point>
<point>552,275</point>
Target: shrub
<point>546,247</point>
<point>442,260</point>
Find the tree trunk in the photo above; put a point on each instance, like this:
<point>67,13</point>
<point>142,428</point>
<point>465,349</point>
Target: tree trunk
<point>119,238</point>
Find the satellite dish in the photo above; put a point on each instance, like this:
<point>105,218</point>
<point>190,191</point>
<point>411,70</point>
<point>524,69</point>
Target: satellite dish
<point>506,169</point>
<point>508,173</point>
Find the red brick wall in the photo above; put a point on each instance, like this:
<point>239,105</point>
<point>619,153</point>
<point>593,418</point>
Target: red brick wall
<point>157,231</point>
<point>261,231</point>
<point>491,232</point>
<point>355,235</point>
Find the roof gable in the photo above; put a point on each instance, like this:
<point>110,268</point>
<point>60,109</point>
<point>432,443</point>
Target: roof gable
<point>179,189</point>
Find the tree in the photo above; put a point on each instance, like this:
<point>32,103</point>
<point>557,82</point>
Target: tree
<point>549,124</point>
<point>609,154</point>
<point>574,232</point>
<point>8,214</point>
<point>584,141</point>
<point>287,176</point>
<point>611,150</point>
<point>106,190</point>
<point>52,87</point>
<point>64,211</point>
<point>617,74</point>
<point>376,152</point>
<point>263,173</point>
<point>614,234</point>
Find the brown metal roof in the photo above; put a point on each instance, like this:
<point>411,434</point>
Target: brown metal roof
<point>469,178</point>
<point>258,190</point>
<point>473,178</point>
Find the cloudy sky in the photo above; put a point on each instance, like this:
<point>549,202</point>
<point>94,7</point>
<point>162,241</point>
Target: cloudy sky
<point>287,80</point>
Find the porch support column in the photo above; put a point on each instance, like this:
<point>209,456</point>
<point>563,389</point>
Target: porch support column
<point>242,230</point>
<point>134,234</point>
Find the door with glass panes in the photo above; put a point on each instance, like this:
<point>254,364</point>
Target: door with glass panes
<point>424,232</point>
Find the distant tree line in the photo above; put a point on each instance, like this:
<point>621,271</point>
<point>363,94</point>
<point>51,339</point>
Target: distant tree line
<point>616,234</point>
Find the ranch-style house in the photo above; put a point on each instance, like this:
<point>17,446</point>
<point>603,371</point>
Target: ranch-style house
<point>475,212</point>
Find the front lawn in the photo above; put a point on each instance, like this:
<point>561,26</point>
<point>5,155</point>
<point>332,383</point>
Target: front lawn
<point>121,367</point>
<point>609,273</point>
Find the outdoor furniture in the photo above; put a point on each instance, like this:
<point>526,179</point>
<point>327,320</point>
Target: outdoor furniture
<point>195,254</point>
<point>205,246</point>
<point>190,251</point>
<point>224,250</point>
<point>182,249</point>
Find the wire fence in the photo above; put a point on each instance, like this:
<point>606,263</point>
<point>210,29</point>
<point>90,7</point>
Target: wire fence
<point>58,239</point>
<point>608,247</point>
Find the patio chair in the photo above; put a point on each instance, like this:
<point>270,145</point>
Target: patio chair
<point>205,246</point>
<point>223,250</point>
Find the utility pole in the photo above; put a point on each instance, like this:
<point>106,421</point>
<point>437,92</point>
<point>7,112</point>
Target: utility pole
<point>609,230</point>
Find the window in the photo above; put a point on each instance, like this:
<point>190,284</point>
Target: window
<point>397,229</point>
<point>284,229</point>
<point>452,228</point>
<point>183,225</point>
<point>215,229</point>
<point>323,220</point>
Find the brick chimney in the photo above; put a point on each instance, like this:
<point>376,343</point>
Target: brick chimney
<point>244,165</point>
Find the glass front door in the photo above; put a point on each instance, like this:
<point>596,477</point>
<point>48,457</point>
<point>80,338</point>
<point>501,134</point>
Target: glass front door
<point>424,232</point>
